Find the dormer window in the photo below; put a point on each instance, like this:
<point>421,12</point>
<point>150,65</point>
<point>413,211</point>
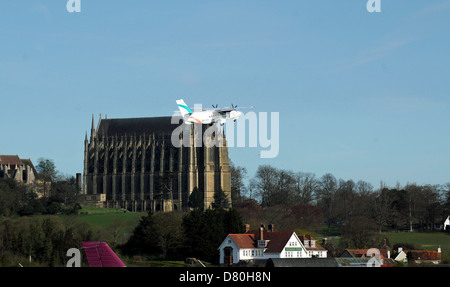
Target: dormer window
<point>306,243</point>
<point>263,243</point>
<point>313,243</point>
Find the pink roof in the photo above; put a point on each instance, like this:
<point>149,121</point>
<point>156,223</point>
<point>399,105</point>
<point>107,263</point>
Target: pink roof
<point>99,254</point>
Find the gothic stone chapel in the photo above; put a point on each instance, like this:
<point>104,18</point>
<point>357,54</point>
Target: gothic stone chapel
<point>132,163</point>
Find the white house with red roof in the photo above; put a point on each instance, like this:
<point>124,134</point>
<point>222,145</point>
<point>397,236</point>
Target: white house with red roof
<point>260,245</point>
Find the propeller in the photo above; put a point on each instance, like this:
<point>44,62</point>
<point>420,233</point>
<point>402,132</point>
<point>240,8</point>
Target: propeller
<point>233,106</point>
<point>215,106</point>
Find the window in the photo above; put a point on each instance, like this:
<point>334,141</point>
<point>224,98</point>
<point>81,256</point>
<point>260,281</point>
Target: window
<point>306,243</point>
<point>313,243</point>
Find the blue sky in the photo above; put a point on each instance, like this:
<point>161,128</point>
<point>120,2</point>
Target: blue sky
<point>364,96</point>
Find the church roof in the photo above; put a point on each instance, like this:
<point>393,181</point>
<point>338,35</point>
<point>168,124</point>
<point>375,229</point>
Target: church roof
<point>138,126</point>
<point>10,159</point>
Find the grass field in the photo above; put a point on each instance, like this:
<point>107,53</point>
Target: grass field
<point>422,240</point>
<point>106,216</point>
<point>103,217</point>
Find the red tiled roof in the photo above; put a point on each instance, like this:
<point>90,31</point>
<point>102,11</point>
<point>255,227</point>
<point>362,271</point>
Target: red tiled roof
<point>310,238</point>
<point>425,254</point>
<point>277,240</point>
<point>10,159</point>
<point>363,253</point>
<point>243,240</point>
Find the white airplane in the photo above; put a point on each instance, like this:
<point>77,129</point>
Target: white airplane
<point>209,116</point>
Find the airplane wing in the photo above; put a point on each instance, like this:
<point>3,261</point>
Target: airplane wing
<point>227,109</point>
<point>99,254</point>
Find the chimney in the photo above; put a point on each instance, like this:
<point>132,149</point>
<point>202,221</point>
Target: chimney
<point>261,233</point>
<point>388,254</point>
<point>271,228</point>
<point>78,180</point>
<point>247,228</point>
<point>439,249</point>
<point>324,241</point>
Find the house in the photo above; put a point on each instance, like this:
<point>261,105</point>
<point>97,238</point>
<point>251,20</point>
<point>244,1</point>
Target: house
<point>426,256</point>
<point>21,170</point>
<point>401,256</point>
<point>362,253</point>
<point>302,262</point>
<point>446,226</point>
<point>258,246</point>
<point>327,262</point>
<point>352,261</point>
<point>312,248</point>
<point>385,257</point>
<point>419,256</point>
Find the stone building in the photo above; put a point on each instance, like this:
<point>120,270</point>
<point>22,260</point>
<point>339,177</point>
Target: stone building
<point>21,170</point>
<point>138,164</point>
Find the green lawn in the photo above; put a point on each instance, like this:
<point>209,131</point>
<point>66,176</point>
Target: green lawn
<point>422,240</point>
<point>104,216</point>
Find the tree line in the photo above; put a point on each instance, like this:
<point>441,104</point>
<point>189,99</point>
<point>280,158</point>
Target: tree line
<point>291,200</point>
<point>41,240</point>
<point>52,193</point>
<point>178,235</point>
<point>294,195</point>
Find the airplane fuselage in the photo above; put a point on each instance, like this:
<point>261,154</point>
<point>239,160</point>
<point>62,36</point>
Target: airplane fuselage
<point>211,117</point>
<point>207,116</point>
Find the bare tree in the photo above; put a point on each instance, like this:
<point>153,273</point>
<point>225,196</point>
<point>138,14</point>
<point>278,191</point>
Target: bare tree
<point>382,206</point>
<point>306,186</point>
<point>284,188</point>
<point>47,173</point>
<point>265,184</point>
<point>326,197</point>
<point>363,187</point>
<point>238,188</point>
<point>345,199</point>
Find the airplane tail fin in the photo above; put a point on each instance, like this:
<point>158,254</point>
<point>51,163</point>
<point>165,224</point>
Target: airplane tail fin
<point>184,109</point>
